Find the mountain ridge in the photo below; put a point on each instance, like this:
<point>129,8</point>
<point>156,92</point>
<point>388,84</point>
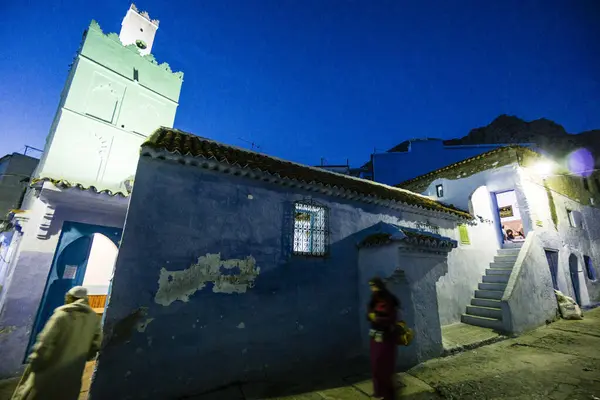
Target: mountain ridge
<point>548,135</point>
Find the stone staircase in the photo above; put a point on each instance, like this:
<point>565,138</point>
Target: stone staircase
<point>485,310</point>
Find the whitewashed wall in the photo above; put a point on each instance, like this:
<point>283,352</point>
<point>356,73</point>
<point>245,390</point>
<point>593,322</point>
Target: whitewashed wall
<point>468,262</point>
<point>535,209</point>
<point>583,239</point>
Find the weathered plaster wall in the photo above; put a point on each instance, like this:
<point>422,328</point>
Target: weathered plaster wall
<point>422,276</point>
<point>583,239</point>
<point>529,299</point>
<point>301,313</point>
<point>412,278</point>
<point>535,209</point>
<point>29,278</point>
<point>379,261</point>
<point>468,262</point>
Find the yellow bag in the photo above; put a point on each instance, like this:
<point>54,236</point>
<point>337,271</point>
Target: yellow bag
<point>404,335</point>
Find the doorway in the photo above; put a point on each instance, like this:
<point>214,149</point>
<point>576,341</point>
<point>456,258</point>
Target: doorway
<point>509,215</point>
<point>574,272</point>
<point>99,269</point>
<point>85,256</point>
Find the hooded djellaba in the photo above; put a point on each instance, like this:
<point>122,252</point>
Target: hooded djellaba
<point>70,338</point>
<point>382,312</point>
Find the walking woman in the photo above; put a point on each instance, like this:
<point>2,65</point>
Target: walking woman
<point>382,310</point>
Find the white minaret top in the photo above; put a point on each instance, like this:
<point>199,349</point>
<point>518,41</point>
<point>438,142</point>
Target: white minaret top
<point>137,28</point>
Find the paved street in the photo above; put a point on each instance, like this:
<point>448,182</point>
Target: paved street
<point>557,362</point>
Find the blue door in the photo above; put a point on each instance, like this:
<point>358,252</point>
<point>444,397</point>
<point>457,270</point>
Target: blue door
<point>68,267</point>
<point>574,272</point>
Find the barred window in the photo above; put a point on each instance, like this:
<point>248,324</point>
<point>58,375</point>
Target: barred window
<point>311,233</point>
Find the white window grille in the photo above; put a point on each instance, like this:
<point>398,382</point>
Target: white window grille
<point>311,234</point>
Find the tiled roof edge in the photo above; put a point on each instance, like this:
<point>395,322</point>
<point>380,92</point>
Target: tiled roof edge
<point>187,144</point>
<point>411,236</point>
<point>64,184</point>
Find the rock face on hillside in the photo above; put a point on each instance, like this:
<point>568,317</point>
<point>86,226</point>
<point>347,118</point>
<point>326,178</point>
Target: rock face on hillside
<point>546,134</point>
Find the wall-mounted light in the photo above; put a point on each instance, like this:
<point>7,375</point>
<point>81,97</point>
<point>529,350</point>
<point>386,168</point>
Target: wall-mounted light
<point>543,168</point>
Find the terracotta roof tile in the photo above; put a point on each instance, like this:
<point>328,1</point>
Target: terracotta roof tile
<point>185,144</point>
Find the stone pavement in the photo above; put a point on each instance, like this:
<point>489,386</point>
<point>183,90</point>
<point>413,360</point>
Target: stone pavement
<point>557,362</point>
<point>460,337</point>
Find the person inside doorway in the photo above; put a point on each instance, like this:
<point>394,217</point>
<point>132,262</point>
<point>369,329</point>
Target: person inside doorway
<point>382,313</point>
<point>510,216</point>
<point>71,337</point>
<point>509,234</point>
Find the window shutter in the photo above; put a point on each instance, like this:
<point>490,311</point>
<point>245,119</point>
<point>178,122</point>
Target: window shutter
<point>464,234</point>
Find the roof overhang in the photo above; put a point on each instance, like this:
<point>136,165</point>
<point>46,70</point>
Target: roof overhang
<point>79,197</point>
<point>384,233</point>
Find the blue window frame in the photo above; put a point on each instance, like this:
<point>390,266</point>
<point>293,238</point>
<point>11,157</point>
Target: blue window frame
<point>311,234</point>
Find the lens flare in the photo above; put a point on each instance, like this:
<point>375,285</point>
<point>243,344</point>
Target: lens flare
<point>581,162</point>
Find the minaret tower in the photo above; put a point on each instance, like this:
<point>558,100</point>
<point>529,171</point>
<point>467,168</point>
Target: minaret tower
<point>137,28</point>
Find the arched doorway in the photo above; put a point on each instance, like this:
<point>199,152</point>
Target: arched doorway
<point>85,256</point>
<point>574,272</point>
<point>99,269</point>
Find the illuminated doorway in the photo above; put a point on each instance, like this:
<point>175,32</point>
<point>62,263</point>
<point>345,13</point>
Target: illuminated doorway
<point>509,213</point>
<point>85,256</point>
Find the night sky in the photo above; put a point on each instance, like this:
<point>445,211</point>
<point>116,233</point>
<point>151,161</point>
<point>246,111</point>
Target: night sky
<point>307,79</point>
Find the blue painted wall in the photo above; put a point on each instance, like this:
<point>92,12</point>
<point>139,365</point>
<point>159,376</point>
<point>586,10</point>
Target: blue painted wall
<point>422,157</point>
<point>301,315</point>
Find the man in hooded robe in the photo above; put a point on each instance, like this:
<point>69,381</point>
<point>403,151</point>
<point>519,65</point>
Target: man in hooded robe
<point>70,338</point>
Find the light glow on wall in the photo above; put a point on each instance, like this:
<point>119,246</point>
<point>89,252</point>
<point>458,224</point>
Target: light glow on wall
<point>543,168</point>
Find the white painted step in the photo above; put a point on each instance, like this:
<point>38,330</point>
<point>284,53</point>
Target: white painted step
<point>489,294</point>
<point>506,258</point>
<point>496,278</point>
<point>492,286</point>
<point>498,271</point>
<point>486,303</point>
<point>487,312</point>
<point>512,245</point>
<point>502,264</point>
<point>484,322</point>
<point>509,252</point>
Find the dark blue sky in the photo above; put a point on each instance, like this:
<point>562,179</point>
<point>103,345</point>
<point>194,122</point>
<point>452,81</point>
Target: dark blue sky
<point>307,79</point>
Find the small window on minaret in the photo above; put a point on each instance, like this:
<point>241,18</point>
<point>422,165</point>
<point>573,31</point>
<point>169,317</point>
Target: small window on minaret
<point>439,189</point>
<point>141,29</point>
<point>136,76</point>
